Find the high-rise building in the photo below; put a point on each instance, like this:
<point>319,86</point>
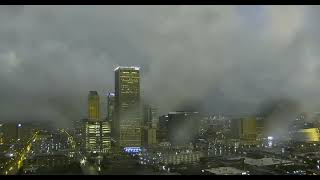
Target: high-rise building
<point>127,122</point>
<point>162,129</point>
<point>1,134</point>
<point>92,126</point>
<point>105,136</point>
<point>97,132</point>
<point>150,116</point>
<point>93,137</point>
<point>79,132</point>
<point>93,106</point>
<point>244,128</point>
<point>150,136</point>
<point>111,106</point>
<point>147,117</point>
<point>149,125</point>
<point>249,128</point>
<point>261,127</point>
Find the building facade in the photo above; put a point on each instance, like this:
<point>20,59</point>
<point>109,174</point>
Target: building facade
<point>105,136</point>
<point>1,134</point>
<point>128,116</point>
<point>111,106</point>
<point>97,132</point>
<point>93,106</point>
<point>93,137</point>
<point>162,129</point>
<point>244,129</point>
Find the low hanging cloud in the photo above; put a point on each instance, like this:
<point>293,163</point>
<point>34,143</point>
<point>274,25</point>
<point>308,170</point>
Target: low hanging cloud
<point>228,59</point>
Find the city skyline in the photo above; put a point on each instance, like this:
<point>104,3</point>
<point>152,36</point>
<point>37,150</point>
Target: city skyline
<point>216,57</point>
<point>159,90</point>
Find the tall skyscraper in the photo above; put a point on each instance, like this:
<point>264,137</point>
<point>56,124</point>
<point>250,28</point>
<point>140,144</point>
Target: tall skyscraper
<point>97,132</point>
<point>93,106</point>
<point>1,134</point>
<point>127,123</point>
<point>111,106</point>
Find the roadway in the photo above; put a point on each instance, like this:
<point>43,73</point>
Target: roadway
<point>13,166</point>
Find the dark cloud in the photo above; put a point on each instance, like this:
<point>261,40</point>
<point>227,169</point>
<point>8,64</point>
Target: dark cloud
<point>51,56</point>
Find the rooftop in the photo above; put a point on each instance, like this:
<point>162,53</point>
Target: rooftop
<point>127,67</point>
<point>226,171</point>
<point>265,161</point>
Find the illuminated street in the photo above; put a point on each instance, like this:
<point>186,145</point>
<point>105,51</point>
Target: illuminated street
<point>15,164</point>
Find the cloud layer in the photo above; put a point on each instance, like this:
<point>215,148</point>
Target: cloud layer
<point>228,59</point>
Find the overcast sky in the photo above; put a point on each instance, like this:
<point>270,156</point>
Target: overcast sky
<point>228,59</point>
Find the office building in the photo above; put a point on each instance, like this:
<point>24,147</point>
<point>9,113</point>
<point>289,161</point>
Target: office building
<point>93,106</point>
<point>97,132</point>
<point>79,133</point>
<point>111,106</point>
<point>162,129</point>
<point>244,128</point>
<point>150,116</point>
<point>306,135</point>
<point>150,136</point>
<point>167,157</point>
<point>128,116</point>
<point>261,127</point>
<point>1,134</point>
<point>105,136</point>
<point>93,137</point>
<point>92,126</point>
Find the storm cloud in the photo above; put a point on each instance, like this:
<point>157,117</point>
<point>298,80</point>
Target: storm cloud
<point>227,59</point>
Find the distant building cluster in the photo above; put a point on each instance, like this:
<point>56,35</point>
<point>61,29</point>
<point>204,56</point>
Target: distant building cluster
<point>178,141</point>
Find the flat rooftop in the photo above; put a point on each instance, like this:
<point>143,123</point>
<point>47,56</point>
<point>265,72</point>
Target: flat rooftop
<point>127,67</point>
<point>265,161</point>
<point>225,171</point>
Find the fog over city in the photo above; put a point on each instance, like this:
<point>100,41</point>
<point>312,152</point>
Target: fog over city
<point>233,60</point>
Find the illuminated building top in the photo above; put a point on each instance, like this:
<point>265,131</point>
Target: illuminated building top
<point>127,67</point>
